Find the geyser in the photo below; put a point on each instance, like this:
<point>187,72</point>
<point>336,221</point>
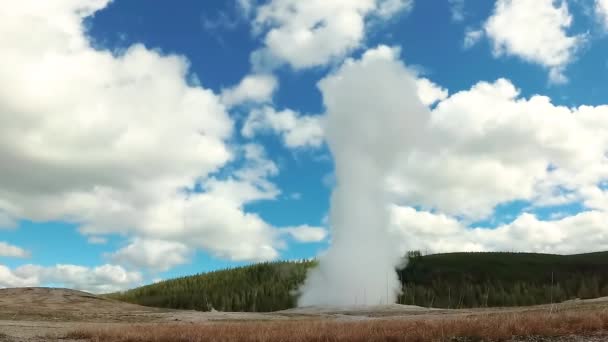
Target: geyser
<point>372,108</point>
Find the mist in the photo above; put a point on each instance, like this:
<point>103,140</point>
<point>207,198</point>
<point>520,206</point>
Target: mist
<point>373,116</point>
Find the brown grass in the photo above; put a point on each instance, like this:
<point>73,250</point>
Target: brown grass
<point>493,327</point>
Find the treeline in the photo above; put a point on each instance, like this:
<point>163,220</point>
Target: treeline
<point>257,288</point>
<point>466,280</point>
<point>455,280</point>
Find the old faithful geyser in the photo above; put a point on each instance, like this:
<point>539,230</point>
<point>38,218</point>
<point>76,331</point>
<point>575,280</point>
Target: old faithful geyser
<point>370,105</point>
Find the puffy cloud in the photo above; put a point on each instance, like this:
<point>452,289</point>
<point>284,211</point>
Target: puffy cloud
<point>9,279</point>
<point>490,146</point>
<point>214,219</point>
<point>580,233</point>
<point>601,11</point>
<point>306,233</point>
<point>8,250</point>
<point>156,255</point>
<point>296,130</point>
<point>83,124</point>
<point>388,8</point>
<point>312,33</point>
<point>534,30</point>
<point>429,92</point>
<point>101,279</point>
<point>252,88</point>
<point>116,142</point>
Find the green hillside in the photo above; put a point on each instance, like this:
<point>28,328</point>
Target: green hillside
<point>260,287</point>
<point>502,279</point>
<point>456,280</point>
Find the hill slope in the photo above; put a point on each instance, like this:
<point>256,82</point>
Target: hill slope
<point>502,279</point>
<point>37,303</point>
<point>261,287</point>
<point>455,280</point>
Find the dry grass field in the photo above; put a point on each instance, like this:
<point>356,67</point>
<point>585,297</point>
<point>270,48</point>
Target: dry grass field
<point>34,315</point>
<point>491,327</point>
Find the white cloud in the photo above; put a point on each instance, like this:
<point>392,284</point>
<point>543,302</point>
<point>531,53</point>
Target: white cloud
<point>490,146</point>
<point>312,33</point>
<point>9,279</point>
<point>472,37</point>
<point>429,92</point>
<point>583,232</point>
<point>111,141</point>
<point>215,219</point>
<point>306,233</point>
<point>101,279</point>
<point>252,88</point>
<point>388,8</point>
<point>296,130</point>
<point>601,11</point>
<point>534,30</point>
<point>8,250</point>
<point>156,255</point>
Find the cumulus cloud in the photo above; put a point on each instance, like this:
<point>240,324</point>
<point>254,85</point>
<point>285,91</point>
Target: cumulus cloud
<point>117,142</point>
<point>157,255</point>
<point>8,250</point>
<point>214,219</point>
<point>429,92</point>
<point>296,130</point>
<point>312,33</point>
<point>601,11</point>
<point>437,233</point>
<point>306,233</point>
<point>101,279</point>
<point>251,89</point>
<point>491,147</point>
<point>9,279</point>
<point>536,31</point>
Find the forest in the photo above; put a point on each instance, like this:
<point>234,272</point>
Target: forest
<point>454,280</point>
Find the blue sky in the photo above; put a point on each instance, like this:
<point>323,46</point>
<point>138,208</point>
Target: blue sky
<point>149,140</point>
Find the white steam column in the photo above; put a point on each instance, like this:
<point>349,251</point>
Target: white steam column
<point>366,120</point>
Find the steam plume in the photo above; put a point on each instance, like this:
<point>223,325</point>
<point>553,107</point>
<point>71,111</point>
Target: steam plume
<point>371,105</point>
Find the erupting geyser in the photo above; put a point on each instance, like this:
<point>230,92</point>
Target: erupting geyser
<point>371,105</point>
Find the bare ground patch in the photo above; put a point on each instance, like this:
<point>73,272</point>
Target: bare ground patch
<point>34,315</point>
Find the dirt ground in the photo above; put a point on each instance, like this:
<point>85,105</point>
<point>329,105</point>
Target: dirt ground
<point>42,314</point>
